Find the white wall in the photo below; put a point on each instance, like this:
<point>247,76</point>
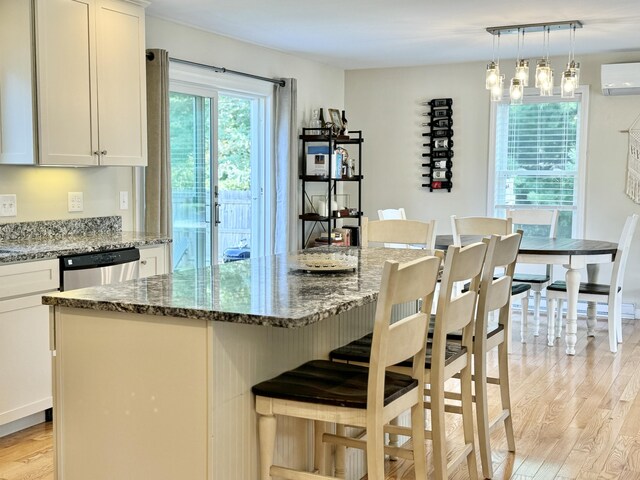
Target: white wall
<point>385,103</point>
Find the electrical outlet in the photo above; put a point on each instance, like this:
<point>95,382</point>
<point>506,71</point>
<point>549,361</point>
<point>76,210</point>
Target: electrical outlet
<point>76,202</point>
<point>124,200</point>
<point>8,205</point>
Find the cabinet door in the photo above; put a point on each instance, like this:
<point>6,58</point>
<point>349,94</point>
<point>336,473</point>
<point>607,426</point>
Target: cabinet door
<point>121,83</point>
<point>66,82</point>
<point>25,359</point>
<point>153,261</point>
<point>16,81</point>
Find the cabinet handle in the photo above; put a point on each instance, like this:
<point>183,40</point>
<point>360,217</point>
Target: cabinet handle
<point>103,152</point>
<point>143,262</point>
<point>97,153</point>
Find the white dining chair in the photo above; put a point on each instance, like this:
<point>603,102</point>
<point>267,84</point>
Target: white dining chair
<point>392,214</point>
<point>538,282</point>
<point>398,233</point>
<point>594,292</point>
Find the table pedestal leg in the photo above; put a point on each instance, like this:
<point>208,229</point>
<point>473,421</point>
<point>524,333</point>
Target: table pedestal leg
<point>573,285</point>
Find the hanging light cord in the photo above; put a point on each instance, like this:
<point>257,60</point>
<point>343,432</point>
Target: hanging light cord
<point>548,35</point>
<point>518,60</point>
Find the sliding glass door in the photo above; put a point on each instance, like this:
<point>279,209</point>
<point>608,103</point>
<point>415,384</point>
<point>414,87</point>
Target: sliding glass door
<point>217,154</point>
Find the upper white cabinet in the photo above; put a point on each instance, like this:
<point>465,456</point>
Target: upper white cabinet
<point>17,94</point>
<point>91,82</point>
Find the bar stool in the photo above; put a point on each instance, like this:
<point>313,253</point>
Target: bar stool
<point>370,398</point>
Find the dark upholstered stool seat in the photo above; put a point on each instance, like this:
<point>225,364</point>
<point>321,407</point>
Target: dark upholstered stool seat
<point>360,351</point>
<point>332,383</point>
<point>585,288</point>
<point>531,278</point>
<point>515,289</point>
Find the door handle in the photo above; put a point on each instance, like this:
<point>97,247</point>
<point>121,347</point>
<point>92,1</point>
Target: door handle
<point>216,217</point>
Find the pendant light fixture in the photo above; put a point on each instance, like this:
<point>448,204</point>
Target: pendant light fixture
<point>544,74</point>
<point>492,76</point>
<point>522,66</point>
<point>569,82</point>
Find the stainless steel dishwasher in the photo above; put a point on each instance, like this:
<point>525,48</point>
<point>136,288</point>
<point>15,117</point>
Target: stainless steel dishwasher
<point>98,268</point>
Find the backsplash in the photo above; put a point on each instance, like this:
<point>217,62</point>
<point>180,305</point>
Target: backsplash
<point>59,228</point>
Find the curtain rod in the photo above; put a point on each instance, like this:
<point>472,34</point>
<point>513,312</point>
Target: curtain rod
<point>221,70</point>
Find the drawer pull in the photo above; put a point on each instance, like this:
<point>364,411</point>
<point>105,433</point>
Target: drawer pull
<point>143,262</point>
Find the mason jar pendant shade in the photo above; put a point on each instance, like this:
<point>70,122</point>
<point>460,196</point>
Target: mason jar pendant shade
<point>568,84</point>
<point>492,75</point>
<point>522,72</point>
<point>498,89</point>
<point>544,77</point>
<point>516,91</point>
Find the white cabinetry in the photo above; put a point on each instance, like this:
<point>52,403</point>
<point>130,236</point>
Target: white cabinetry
<point>154,260</point>
<point>17,114</point>
<point>91,82</point>
<point>25,358</point>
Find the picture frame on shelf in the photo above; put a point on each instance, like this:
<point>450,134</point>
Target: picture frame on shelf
<point>335,118</point>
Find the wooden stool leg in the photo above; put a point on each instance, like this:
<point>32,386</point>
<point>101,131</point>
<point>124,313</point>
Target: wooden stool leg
<point>267,439</point>
<point>419,452</point>
<point>482,413</point>
<point>438,431</point>
<point>505,394</point>
<point>467,420</point>
<point>537,296</point>
<point>341,453</point>
<point>375,446</point>
<point>393,438</point>
<point>524,304</point>
<point>319,448</point>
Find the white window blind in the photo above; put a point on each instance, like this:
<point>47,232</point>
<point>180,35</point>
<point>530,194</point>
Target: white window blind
<point>537,156</point>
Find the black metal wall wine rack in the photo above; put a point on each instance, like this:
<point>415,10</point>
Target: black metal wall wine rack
<point>439,154</point>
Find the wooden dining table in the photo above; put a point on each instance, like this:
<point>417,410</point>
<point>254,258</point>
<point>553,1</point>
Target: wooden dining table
<point>573,254</point>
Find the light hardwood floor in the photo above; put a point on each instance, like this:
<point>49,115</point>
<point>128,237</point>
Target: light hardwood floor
<point>574,417</point>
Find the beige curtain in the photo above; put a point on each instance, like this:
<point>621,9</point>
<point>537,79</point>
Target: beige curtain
<point>285,167</point>
<point>158,171</point>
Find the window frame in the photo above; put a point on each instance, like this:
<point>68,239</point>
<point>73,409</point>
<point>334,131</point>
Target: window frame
<point>531,96</point>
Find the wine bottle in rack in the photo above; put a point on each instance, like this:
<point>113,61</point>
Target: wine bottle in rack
<point>439,102</point>
<point>446,132</point>
<point>439,174</point>
<point>439,123</point>
<point>439,143</point>
<point>439,185</point>
<point>438,153</point>
<point>439,113</point>
<point>439,164</point>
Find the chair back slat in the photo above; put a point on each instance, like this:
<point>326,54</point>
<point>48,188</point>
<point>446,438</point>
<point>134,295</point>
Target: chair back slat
<point>392,214</point>
<point>536,217</point>
<point>498,293</point>
<point>459,312</point>
<point>479,226</point>
<point>406,338</point>
<point>507,253</point>
<point>467,262</point>
<point>622,254</point>
<point>406,232</point>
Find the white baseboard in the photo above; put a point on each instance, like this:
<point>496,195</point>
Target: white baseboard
<point>21,424</point>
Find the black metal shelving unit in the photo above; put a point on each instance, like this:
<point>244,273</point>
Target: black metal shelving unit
<point>330,221</point>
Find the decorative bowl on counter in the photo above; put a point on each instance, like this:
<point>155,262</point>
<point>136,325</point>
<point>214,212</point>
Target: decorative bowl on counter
<point>323,262</point>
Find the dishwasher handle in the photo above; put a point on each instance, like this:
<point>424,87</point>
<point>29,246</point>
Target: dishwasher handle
<point>99,259</point>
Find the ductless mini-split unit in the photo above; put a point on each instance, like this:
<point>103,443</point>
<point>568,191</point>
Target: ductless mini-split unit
<point>620,79</point>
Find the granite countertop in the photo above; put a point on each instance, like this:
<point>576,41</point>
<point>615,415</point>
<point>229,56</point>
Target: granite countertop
<point>20,242</point>
<point>260,291</point>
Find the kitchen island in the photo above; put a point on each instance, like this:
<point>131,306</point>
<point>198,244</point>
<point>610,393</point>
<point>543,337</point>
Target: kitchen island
<point>152,377</point>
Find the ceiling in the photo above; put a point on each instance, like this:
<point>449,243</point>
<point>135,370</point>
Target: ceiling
<point>353,34</point>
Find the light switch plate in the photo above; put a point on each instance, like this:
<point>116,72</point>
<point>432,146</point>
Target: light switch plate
<point>76,202</point>
<point>8,205</point>
<point>124,200</point>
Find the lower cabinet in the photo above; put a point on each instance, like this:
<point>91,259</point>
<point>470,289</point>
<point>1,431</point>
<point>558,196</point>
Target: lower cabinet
<point>154,260</point>
<point>25,357</point>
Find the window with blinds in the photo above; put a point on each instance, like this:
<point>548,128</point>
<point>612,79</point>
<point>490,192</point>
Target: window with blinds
<point>536,157</point>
